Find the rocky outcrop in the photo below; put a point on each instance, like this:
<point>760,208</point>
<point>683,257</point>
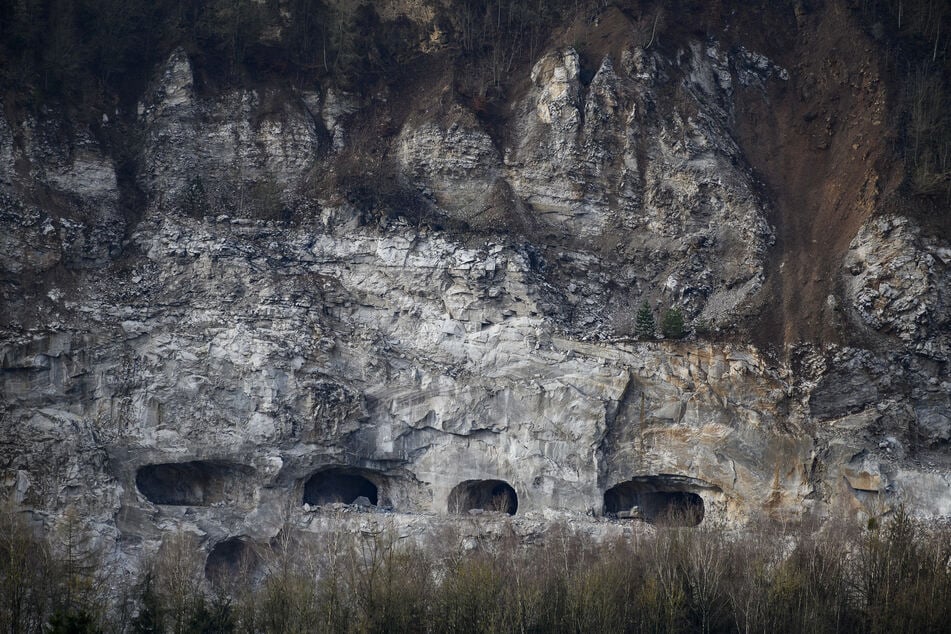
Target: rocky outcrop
<point>249,152</point>
<point>59,197</point>
<point>665,193</point>
<point>898,282</point>
<point>456,165</point>
<point>269,354</point>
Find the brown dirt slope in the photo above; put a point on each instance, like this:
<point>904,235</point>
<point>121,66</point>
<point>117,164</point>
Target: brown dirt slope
<point>819,144</point>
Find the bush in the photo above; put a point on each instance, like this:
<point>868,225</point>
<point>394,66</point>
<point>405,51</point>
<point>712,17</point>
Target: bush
<point>673,324</point>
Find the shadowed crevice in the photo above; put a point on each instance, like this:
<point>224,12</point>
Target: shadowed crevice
<point>230,560</point>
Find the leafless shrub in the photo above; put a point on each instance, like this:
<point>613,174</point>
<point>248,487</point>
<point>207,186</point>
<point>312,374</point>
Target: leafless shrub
<point>176,574</point>
<point>25,592</point>
<point>771,576</point>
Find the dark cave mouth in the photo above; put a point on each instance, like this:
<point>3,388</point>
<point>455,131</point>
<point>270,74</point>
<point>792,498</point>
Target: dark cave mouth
<point>231,559</point>
<point>666,500</point>
<point>341,485</point>
<point>195,483</point>
<point>487,495</point>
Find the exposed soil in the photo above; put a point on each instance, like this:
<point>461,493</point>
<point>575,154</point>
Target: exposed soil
<point>819,144</point>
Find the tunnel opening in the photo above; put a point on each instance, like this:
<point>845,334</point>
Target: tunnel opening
<point>195,483</point>
<point>232,559</point>
<point>495,496</point>
<point>664,499</point>
<point>344,486</point>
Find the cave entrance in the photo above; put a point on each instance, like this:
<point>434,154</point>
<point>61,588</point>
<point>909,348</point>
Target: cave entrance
<point>487,495</point>
<point>231,560</point>
<point>663,499</point>
<point>195,483</point>
<point>345,486</point>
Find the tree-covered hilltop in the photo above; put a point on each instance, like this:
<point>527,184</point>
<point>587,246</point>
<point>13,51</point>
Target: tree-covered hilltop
<point>87,53</point>
<point>57,49</point>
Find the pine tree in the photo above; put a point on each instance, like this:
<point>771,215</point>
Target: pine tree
<point>644,322</point>
<point>673,324</point>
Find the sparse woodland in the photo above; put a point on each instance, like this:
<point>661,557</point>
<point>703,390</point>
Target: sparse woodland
<point>889,576</point>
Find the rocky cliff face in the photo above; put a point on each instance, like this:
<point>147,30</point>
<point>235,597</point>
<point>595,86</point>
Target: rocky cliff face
<point>250,346</point>
<point>661,197</point>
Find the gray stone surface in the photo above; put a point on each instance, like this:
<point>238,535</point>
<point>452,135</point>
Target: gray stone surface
<point>264,351</point>
<point>899,283</point>
<point>251,150</point>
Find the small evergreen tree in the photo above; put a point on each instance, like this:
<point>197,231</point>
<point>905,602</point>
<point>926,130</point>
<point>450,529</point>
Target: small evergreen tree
<point>644,322</point>
<point>673,324</point>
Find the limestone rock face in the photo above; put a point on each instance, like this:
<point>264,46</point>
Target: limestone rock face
<point>548,142</point>
<point>666,181</point>
<point>900,283</point>
<point>6,153</point>
<point>666,193</point>
<point>245,151</point>
<point>457,166</point>
<point>411,356</point>
<point>220,366</point>
<point>333,111</point>
<point>262,355</point>
<point>58,195</point>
